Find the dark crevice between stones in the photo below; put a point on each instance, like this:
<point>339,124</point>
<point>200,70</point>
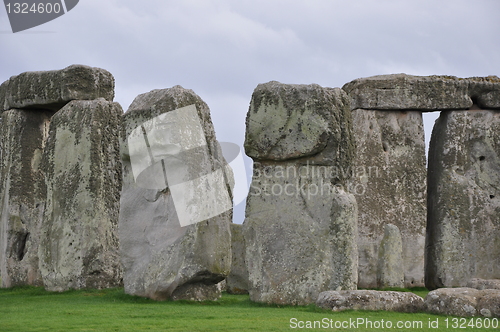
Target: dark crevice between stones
<point>475,103</point>
<point>21,245</point>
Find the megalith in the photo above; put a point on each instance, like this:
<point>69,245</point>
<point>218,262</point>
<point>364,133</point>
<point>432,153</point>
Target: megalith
<point>22,194</point>
<point>27,103</point>
<point>176,203</point>
<point>237,280</point>
<point>389,173</point>
<point>463,227</point>
<point>300,224</point>
<point>390,272</point>
<point>81,162</point>
<point>51,90</point>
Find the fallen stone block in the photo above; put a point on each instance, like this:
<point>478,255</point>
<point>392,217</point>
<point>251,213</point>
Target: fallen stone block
<point>79,242</point>
<point>51,90</point>
<point>176,203</point>
<point>483,284</point>
<point>370,300</point>
<point>463,302</point>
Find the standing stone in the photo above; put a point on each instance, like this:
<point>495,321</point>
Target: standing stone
<point>176,209</point>
<point>22,195</point>
<point>79,243</point>
<point>53,89</point>
<point>390,271</point>
<point>237,280</point>
<point>301,224</point>
<point>463,226</point>
<point>390,182</point>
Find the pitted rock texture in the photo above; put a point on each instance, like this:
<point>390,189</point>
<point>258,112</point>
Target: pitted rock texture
<point>164,255</point>
<point>237,280</point>
<point>389,179</point>
<point>424,93</point>
<point>483,283</point>
<point>288,121</point>
<point>22,195</point>
<point>463,199</point>
<point>79,242</point>
<point>463,302</point>
<point>370,300</point>
<point>390,272</point>
<point>51,90</point>
<point>301,225</point>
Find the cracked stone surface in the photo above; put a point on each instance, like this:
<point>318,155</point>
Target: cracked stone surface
<point>81,161</point>
<point>463,233</point>
<point>301,221</point>
<point>165,254</point>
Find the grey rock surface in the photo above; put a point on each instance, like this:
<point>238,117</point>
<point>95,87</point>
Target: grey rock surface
<point>389,179</point>
<point>488,304</point>
<point>463,233</point>
<point>287,121</point>
<point>370,300</point>
<point>424,93</point>
<point>22,195</point>
<point>176,209</point>
<point>483,283</point>
<point>53,89</point>
<point>390,272</point>
<point>237,280</point>
<point>301,223</point>
<point>79,242</point>
<point>463,302</point>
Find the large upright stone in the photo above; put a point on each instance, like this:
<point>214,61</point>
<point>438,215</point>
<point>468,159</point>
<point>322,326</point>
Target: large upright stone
<point>425,93</point>
<point>463,225</point>
<point>390,183</point>
<point>301,224</point>
<point>79,242</point>
<point>390,271</point>
<point>53,89</point>
<point>22,195</point>
<point>176,207</point>
<point>237,280</point>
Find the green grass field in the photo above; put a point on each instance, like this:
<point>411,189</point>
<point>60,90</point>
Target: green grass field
<point>34,309</point>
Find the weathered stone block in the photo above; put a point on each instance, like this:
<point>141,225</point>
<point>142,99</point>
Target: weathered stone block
<point>389,179</point>
<point>237,280</point>
<point>53,89</point>
<point>176,208</point>
<point>463,302</point>
<point>288,121</point>
<point>370,300</point>
<point>424,93</point>
<point>22,195</point>
<point>301,224</point>
<point>79,242</point>
<point>483,283</point>
<point>390,272</point>
<point>463,233</point>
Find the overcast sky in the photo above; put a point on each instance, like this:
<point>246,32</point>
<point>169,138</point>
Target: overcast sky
<point>222,49</point>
